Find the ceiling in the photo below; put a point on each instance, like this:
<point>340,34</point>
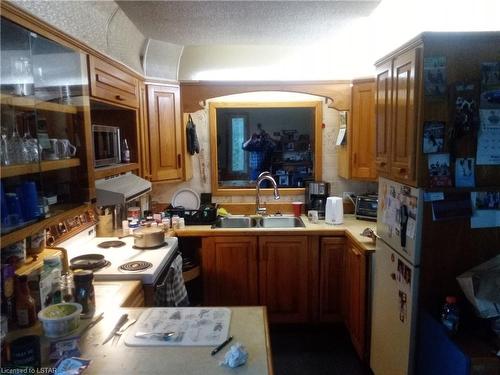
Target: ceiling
<point>245,22</point>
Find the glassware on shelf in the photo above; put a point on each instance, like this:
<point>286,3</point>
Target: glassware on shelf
<point>17,150</point>
<point>23,77</point>
<point>66,149</point>
<point>4,151</point>
<point>33,147</point>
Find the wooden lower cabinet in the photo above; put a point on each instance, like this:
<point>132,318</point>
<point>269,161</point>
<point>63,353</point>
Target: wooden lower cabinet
<point>284,277</point>
<point>331,279</point>
<point>229,271</point>
<point>355,297</point>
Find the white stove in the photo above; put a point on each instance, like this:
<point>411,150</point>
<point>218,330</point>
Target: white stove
<point>86,243</point>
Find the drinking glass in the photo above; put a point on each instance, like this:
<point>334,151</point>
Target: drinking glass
<point>32,146</point>
<point>17,150</point>
<point>4,151</point>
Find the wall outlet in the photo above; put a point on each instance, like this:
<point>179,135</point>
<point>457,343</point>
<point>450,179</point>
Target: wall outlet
<point>346,195</point>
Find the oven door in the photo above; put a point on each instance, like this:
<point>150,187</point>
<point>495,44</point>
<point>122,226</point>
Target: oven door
<point>169,289</point>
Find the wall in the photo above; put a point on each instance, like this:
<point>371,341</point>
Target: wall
<point>163,192</point>
<point>100,24</point>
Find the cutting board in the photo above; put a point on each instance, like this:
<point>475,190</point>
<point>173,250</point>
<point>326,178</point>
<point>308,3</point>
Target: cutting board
<point>193,326</point>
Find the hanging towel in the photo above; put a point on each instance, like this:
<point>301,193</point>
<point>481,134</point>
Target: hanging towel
<point>193,145</point>
<point>172,291</point>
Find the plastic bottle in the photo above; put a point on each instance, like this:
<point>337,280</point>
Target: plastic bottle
<point>125,152</point>
<point>450,315</point>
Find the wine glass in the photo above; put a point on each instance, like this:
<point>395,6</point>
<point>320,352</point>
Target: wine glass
<point>4,151</point>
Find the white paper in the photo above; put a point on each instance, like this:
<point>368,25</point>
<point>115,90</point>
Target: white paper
<point>433,196</point>
<point>340,136</point>
<point>488,138</point>
<point>410,228</point>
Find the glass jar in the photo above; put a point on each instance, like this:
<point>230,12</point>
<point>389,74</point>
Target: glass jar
<point>25,304</point>
<point>67,287</point>
<point>84,292</point>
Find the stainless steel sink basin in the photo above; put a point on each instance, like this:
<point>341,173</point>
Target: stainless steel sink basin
<point>281,222</point>
<point>235,222</point>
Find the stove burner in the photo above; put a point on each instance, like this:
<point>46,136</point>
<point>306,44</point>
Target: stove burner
<point>108,244</point>
<point>135,266</point>
<point>92,262</point>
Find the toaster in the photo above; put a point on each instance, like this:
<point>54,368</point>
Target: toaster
<point>366,207</point>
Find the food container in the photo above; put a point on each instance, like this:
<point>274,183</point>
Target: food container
<point>148,237</point>
<point>134,212</point>
<point>60,319</point>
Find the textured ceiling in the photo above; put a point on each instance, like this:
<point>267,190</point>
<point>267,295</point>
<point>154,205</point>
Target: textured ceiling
<point>244,22</point>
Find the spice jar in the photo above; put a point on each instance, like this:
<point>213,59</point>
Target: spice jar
<point>84,292</point>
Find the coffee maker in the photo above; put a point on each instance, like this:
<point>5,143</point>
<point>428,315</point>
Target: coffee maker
<point>316,194</point>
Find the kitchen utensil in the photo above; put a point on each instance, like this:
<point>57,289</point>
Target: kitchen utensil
<point>186,198</point>
<point>334,211</point>
<point>94,321</point>
<point>147,237</point>
<point>116,328</point>
<point>122,330</point>
<point>158,335</point>
<point>87,262</point>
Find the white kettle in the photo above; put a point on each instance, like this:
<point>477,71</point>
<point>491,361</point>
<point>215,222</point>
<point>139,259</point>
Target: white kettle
<point>334,210</point>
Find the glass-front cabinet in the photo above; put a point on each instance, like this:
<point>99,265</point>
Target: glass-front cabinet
<point>44,131</point>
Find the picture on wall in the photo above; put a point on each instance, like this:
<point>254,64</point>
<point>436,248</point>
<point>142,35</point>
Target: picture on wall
<point>433,136</point>
<point>464,172</point>
<point>439,170</point>
<point>435,76</point>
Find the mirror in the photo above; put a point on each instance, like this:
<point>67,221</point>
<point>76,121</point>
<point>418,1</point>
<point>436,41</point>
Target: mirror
<point>249,138</point>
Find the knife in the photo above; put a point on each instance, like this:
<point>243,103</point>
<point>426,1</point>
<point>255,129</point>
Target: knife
<point>115,329</point>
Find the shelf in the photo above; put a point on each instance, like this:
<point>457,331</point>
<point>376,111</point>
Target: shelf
<point>32,265</point>
<point>114,170</point>
<point>29,102</point>
<point>44,166</point>
<point>57,212</point>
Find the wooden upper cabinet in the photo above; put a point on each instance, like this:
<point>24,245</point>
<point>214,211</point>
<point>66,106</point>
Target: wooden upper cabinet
<point>166,154</point>
<point>404,117</point>
<point>112,84</point>
<point>383,96</point>
<point>331,278</point>
<point>363,131</point>
<point>284,277</point>
<point>229,271</point>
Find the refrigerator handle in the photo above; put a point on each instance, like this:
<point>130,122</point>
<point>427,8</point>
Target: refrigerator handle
<point>404,221</point>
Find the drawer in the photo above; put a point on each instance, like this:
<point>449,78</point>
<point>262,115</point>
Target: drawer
<point>112,84</point>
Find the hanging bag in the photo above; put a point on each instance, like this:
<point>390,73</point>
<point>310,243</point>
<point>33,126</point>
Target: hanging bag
<point>193,146</point>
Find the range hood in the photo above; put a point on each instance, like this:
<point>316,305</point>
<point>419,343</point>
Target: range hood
<point>121,189</point>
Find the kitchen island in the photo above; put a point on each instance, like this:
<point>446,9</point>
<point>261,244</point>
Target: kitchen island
<point>248,327</point>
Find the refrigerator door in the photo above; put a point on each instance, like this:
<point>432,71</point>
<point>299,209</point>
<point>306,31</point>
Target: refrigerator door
<point>394,297</point>
<point>399,218</point>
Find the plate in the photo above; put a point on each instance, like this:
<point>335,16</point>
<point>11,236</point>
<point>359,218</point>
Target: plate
<point>186,198</point>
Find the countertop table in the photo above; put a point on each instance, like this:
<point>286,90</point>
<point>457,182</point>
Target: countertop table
<point>248,326</point>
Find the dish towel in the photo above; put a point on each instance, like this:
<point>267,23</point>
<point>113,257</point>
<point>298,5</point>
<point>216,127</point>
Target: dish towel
<point>172,291</point>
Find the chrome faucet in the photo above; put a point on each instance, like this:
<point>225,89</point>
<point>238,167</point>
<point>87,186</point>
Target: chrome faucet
<point>264,176</point>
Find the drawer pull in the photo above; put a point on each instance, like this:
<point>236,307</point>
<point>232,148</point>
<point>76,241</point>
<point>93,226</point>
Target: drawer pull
<point>402,170</point>
<point>382,163</point>
<point>119,97</point>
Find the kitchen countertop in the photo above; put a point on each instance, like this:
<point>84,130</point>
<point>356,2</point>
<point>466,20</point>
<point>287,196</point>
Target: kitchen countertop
<point>248,326</point>
<point>351,228</point>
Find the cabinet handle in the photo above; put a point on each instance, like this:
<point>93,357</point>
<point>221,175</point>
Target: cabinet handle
<point>393,276</point>
<point>178,160</point>
<point>354,158</point>
<point>382,163</point>
<point>119,97</point>
<point>355,251</point>
<point>401,170</point>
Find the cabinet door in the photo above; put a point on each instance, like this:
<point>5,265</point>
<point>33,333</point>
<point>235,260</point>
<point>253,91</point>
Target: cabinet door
<point>165,133</point>
<point>110,83</point>
<point>284,277</point>
<point>355,289</point>
<point>404,117</point>
<point>331,274</point>
<point>144,133</point>
<point>383,100</point>
<point>229,271</point>
<point>363,131</point>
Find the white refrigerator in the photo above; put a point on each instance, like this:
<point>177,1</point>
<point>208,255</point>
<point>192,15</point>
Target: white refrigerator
<point>395,277</point>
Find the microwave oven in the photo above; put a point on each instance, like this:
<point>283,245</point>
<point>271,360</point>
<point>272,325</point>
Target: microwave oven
<point>106,145</point>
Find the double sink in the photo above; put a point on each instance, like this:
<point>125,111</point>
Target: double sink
<point>258,222</point>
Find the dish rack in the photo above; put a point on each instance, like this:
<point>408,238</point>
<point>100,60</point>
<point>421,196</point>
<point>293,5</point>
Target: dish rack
<point>206,214</point>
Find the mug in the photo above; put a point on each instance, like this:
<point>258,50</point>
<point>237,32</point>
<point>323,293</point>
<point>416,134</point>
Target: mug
<point>52,153</point>
<point>65,149</point>
<point>313,216</point>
